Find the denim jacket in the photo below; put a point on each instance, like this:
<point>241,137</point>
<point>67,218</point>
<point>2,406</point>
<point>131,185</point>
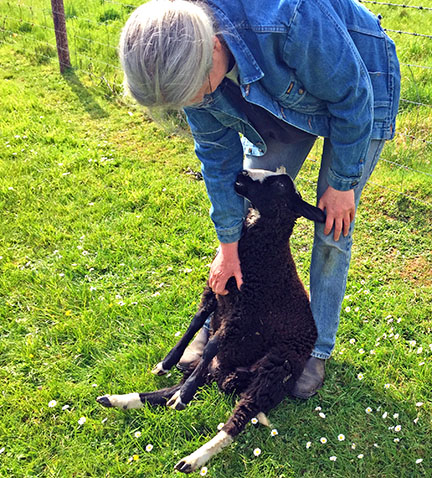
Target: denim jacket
<point>324,66</point>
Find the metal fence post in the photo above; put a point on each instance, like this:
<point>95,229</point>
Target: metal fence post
<point>61,34</point>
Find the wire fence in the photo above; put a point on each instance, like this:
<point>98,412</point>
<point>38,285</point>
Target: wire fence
<point>93,28</point>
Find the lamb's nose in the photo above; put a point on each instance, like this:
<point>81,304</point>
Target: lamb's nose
<point>244,172</point>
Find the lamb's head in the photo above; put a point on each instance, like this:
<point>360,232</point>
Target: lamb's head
<point>274,193</point>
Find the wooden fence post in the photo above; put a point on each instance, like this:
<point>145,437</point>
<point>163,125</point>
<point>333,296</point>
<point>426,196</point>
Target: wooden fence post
<point>61,34</point>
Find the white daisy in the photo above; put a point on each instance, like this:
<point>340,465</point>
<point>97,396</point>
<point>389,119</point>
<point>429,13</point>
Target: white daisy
<point>397,428</point>
<point>368,410</point>
<point>341,437</point>
<point>360,456</point>
<point>274,432</point>
<point>149,448</point>
<point>308,444</point>
<point>257,452</point>
<point>82,420</point>
<point>360,376</point>
<point>254,420</point>
<point>52,403</point>
<point>323,440</point>
<point>137,434</point>
<point>203,471</point>
<point>333,458</point>
<point>419,460</point>
<point>220,426</point>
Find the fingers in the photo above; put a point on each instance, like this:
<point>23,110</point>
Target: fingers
<point>217,283</point>
<point>338,226</point>
<point>340,211</point>
<point>225,265</point>
<point>239,280</point>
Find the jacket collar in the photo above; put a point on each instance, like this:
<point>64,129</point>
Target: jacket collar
<point>249,71</point>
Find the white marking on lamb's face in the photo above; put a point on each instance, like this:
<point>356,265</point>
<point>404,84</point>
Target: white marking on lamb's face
<point>261,174</point>
<point>201,456</point>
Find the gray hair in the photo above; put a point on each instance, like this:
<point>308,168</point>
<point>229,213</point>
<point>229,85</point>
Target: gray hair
<point>166,52</point>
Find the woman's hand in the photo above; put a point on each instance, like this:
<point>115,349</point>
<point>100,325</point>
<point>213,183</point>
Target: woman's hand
<point>225,265</point>
<point>339,207</point>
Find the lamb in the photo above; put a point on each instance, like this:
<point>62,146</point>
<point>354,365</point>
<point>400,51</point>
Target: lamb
<point>262,334</point>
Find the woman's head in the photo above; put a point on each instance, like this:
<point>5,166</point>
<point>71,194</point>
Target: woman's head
<point>166,51</point>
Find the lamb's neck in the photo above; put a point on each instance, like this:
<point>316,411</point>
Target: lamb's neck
<point>269,239</point>
<point>279,229</point>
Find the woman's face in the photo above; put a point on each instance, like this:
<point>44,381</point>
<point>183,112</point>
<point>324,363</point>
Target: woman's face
<point>217,72</point>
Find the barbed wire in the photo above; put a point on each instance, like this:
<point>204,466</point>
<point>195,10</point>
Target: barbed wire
<point>401,5</point>
<point>401,32</point>
<point>417,66</point>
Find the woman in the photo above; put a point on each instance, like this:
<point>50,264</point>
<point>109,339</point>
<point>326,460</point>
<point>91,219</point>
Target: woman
<point>257,89</point>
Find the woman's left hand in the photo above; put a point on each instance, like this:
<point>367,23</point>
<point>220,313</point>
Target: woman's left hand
<point>339,207</point>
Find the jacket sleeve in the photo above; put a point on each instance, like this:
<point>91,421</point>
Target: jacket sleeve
<point>221,154</point>
<point>330,67</point>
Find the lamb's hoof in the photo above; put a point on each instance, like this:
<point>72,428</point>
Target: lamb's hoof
<point>184,466</point>
<point>104,401</point>
<point>159,370</point>
<point>175,402</point>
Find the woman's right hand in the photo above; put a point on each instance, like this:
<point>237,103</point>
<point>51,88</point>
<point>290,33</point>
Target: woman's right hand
<point>224,266</point>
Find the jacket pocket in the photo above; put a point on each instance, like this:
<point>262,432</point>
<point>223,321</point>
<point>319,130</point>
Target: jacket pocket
<point>296,97</point>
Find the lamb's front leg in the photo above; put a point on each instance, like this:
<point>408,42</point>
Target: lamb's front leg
<point>207,306</point>
<point>128,401</point>
<point>185,394</point>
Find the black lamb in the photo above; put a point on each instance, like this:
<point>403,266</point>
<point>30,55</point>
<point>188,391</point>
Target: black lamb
<point>262,334</point>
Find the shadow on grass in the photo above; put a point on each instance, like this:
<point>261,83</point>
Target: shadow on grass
<point>369,431</point>
<point>83,94</point>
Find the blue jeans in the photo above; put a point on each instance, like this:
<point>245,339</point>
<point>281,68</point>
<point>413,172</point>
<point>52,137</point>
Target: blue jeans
<point>330,259</point>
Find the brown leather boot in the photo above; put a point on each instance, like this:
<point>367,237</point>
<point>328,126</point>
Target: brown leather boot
<point>194,350</point>
<point>311,380</point>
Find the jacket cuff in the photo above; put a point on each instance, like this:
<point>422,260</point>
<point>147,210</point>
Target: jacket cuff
<point>231,234</point>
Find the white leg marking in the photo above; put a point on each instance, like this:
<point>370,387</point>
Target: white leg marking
<point>159,370</point>
<point>201,456</point>
<point>127,401</point>
<point>175,402</point>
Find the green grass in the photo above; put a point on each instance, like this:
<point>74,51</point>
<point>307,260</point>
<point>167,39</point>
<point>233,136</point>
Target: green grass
<point>105,244</point>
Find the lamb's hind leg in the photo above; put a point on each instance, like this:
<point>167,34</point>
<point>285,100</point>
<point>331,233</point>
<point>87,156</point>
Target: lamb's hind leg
<point>264,392</point>
<point>207,306</point>
<point>137,400</point>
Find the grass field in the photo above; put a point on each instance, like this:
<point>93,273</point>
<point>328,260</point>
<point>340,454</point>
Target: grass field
<point>105,243</point>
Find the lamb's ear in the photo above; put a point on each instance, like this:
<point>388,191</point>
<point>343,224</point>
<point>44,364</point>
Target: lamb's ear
<point>310,212</point>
